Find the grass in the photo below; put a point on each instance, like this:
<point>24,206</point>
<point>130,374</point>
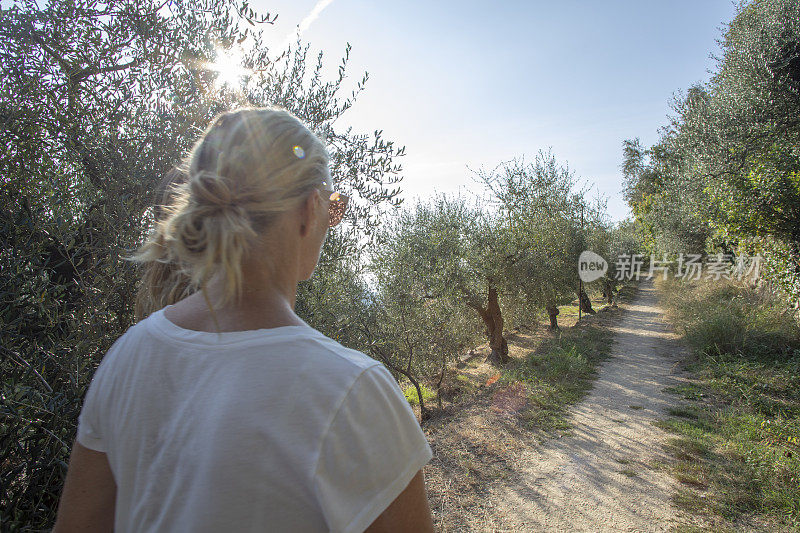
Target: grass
<point>466,382</point>
<point>569,309</point>
<point>684,411</point>
<point>410,393</point>
<point>737,431</point>
<point>559,373</point>
<point>689,391</point>
<point>462,386</point>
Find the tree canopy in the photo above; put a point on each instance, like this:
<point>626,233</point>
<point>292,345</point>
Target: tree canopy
<point>725,174</point>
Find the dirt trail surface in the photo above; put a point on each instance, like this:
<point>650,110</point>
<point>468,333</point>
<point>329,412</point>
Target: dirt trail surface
<point>601,475</point>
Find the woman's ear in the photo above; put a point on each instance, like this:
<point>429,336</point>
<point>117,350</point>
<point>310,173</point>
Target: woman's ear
<point>309,212</point>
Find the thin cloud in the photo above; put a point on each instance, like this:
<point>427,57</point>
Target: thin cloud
<point>313,15</point>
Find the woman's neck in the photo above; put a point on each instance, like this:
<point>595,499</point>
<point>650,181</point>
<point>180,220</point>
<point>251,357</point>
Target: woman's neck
<point>262,306</point>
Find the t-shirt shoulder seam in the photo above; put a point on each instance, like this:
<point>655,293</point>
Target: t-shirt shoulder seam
<point>334,414</point>
<point>339,351</point>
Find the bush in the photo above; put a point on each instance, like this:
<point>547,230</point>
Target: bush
<point>745,405</point>
<point>721,319</point>
<point>410,393</point>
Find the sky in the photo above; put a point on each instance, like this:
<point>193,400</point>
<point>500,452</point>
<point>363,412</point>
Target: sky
<point>468,85</point>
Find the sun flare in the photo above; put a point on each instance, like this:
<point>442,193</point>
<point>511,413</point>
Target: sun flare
<point>228,66</point>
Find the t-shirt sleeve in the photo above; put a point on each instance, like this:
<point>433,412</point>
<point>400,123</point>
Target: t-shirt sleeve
<point>371,451</point>
<point>90,434</point>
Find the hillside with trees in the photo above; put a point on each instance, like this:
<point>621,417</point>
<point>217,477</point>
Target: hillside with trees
<point>723,182</point>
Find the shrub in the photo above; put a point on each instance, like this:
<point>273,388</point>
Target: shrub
<point>410,393</point>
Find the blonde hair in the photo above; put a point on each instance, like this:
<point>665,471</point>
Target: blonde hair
<point>249,166</point>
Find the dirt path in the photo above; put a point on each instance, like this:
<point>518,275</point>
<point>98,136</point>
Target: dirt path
<point>601,476</point>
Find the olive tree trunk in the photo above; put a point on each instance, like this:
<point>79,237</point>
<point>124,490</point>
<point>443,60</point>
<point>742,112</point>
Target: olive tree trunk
<point>608,291</point>
<point>492,318</point>
<point>585,303</point>
<point>552,312</point>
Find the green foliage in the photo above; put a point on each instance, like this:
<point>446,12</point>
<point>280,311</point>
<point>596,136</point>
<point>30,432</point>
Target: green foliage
<point>624,239</point>
<point>422,272</point>
<point>739,432</point>
<point>666,204</point>
<point>410,392</point>
<point>780,266</point>
<point>724,174</point>
<point>434,250</point>
<point>335,300</point>
<point>549,222</point>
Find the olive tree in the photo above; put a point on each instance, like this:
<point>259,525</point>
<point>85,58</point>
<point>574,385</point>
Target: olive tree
<point>421,325</point>
<point>450,253</point>
<point>623,239</point>
<point>654,178</point>
<point>546,215</point>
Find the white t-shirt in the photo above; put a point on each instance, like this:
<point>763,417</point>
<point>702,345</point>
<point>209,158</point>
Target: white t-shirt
<point>278,429</point>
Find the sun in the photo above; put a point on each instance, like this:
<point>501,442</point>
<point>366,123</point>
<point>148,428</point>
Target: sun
<point>228,66</point>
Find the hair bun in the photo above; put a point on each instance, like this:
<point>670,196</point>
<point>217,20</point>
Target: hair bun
<point>209,189</point>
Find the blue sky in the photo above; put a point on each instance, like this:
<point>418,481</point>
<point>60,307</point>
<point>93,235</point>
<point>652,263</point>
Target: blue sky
<point>471,84</point>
